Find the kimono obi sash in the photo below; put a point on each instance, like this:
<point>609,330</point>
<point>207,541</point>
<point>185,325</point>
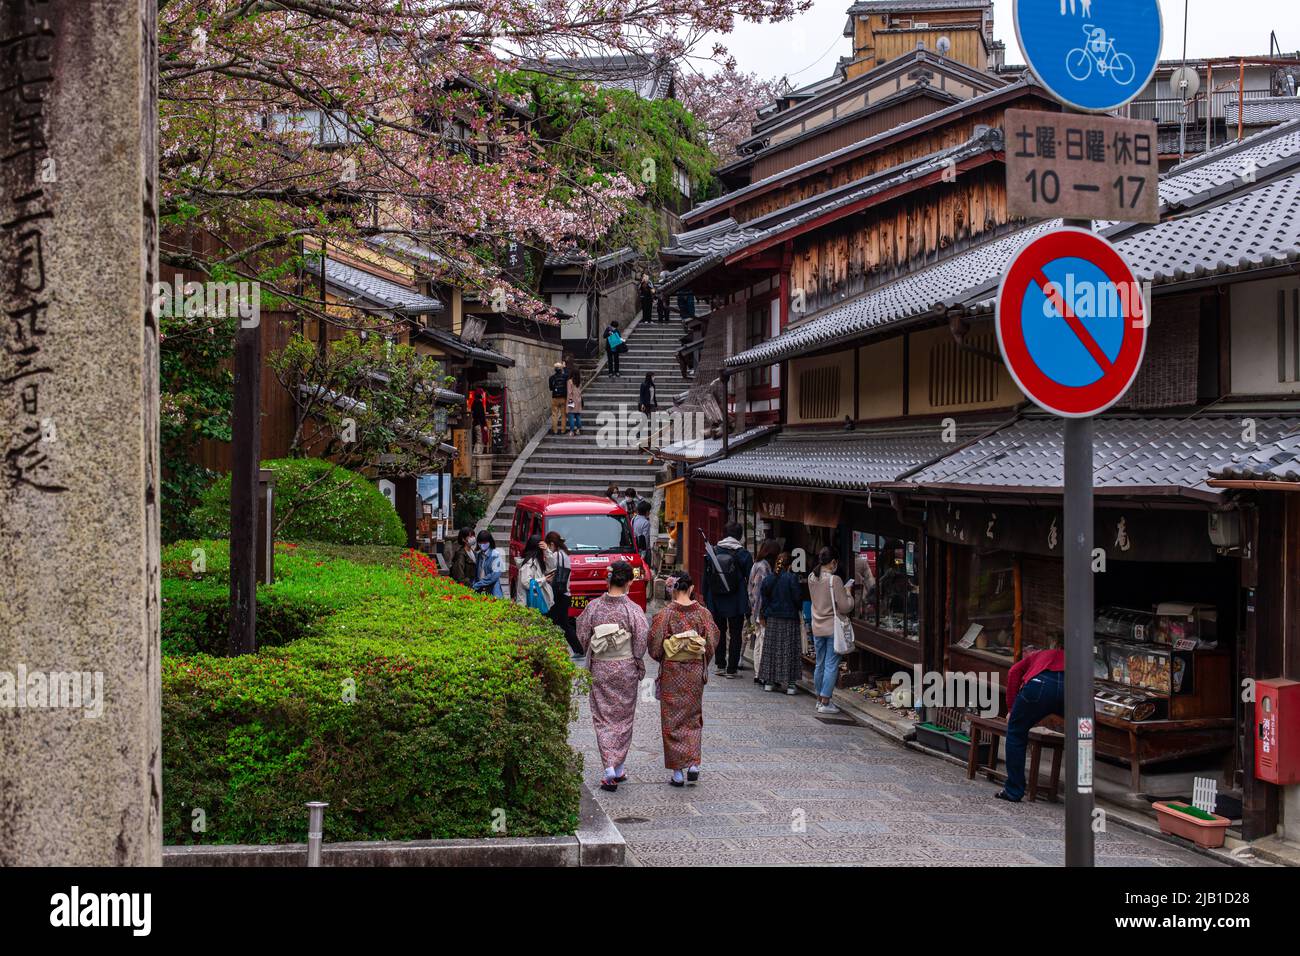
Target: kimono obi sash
<point>611,642</point>
<point>686,646</point>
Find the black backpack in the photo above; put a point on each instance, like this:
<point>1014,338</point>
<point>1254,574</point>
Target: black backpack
<point>730,568</point>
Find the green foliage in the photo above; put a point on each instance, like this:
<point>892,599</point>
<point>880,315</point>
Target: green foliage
<point>197,394</point>
<point>391,422</point>
<point>471,503</point>
<point>314,499</point>
<point>593,133</point>
<point>413,706</point>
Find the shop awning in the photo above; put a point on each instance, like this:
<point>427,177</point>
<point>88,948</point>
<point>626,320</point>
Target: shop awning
<point>840,460</point>
<point>1157,456</point>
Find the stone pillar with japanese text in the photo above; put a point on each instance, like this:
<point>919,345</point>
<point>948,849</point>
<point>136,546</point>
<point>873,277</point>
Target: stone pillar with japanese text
<point>80,761</point>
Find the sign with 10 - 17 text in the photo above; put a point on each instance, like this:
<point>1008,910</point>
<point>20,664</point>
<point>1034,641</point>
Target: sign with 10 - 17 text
<point>1081,167</point>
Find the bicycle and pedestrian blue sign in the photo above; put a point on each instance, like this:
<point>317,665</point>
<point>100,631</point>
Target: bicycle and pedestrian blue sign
<point>1093,55</point>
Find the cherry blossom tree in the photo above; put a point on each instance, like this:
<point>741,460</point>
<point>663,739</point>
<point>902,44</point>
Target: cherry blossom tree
<point>290,123</point>
<point>726,104</point>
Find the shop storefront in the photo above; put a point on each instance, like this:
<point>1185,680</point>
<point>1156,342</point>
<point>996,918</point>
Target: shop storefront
<point>1165,605</point>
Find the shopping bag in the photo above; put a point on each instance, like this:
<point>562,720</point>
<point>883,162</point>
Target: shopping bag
<point>537,600</point>
<point>843,636</point>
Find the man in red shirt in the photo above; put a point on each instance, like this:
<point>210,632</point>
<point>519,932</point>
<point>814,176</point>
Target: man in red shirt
<point>1035,689</point>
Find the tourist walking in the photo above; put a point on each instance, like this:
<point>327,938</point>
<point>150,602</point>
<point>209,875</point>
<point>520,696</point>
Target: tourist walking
<point>641,531</point>
<point>559,386</point>
<point>647,291</point>
<point>490,566</point>
<point>767,552</point>
<point>682,639</point>
<point>463,564</point>
<point>649,401</point>
<point>726,572</point>
<point>561,569</point>
<point>575,406</point>
<point>612,631</point>
<point>781,601</point>
<point>830,599</point>
<point>613,343</point>
<point>612,493</point>
<point>661,302</point>
<point>531,568</point>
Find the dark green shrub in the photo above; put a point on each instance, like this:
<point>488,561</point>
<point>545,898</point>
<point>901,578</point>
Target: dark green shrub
<point>461,706</point>
<point>314,501</point>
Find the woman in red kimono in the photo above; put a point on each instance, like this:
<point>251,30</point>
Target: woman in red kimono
<point>612,630</point>
<point>683,638</point>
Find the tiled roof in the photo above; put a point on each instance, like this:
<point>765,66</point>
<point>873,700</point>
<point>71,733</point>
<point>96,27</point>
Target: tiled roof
<point>362,288</point>
<point>1272,461</point>
<point>644,76</point>
<point>1260,228</point>
<point>916,6</point>
<point>797,214</point>
<point>837,459</point>
<point>938,115</point>
<point>1273,109</point>
<point>407,247</point>
<point>912,296</point>
<point>721,236</point>
<point>1131,455</point>
<point>579,257</point>
<point>1222,169</point>
<point>455,343</point>
<point>701,448</point>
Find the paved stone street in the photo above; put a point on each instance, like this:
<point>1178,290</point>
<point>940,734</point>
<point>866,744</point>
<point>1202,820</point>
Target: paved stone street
<point>770,763</point>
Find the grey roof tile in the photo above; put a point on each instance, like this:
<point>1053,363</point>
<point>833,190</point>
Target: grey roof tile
<point>361,287</point>
<point>1272,461</point>
<point>1273,109</point>
<point>837,459</point>
<point>1131,454</point>
<point>1227,165</point>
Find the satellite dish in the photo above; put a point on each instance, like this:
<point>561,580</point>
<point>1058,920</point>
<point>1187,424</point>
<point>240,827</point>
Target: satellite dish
<point>1184,82</point>
<point>943,46</point>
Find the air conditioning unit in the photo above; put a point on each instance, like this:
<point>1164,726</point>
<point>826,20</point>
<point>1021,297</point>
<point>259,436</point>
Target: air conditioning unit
<point>1225,529</point>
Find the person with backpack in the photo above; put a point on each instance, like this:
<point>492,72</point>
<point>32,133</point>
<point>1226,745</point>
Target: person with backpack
<point>533,579</point>
<point>561,570</point>
<point>726,573</point>
<point>649,400</point>
<point>614,347</point>
<point>830,600</point>
<point>490,566</point>
<point>682,638</point>
<point>612,630</point>
<point>559,386</point>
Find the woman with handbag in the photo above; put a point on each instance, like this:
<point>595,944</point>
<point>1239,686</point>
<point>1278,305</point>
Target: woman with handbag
<point>831,603</point>
<point>767,553</point>
<point>683,639</point>
<point>561,569</point>
<point>533,580</point>
<point>612,631</point>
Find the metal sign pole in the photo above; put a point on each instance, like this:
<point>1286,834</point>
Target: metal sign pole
<point>1079,719</point>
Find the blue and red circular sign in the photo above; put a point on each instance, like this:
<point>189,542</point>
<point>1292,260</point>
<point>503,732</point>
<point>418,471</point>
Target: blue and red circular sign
<point>1071,323</point>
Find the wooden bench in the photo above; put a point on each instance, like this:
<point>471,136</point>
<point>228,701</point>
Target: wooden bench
<point>996,728</point>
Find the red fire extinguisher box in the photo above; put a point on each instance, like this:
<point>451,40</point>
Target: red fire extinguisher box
<point>1277,731</point>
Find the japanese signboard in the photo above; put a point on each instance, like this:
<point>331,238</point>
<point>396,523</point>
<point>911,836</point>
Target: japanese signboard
<point>1081,167</point>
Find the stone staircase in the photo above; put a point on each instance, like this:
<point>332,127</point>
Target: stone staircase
<point>565,464</point>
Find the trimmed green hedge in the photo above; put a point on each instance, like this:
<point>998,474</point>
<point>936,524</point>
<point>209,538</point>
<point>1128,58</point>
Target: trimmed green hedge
<point>416,708</point>
<point>322,502</point>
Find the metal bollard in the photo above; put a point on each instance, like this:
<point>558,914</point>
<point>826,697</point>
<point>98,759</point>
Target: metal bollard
<point>315,824</point>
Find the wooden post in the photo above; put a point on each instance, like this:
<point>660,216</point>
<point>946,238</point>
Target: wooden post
<point>246,444</point>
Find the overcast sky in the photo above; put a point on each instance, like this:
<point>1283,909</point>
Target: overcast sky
<point>807,48</point>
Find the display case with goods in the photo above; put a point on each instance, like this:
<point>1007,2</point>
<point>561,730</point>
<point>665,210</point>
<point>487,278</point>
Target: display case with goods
<point>1184,677</point>
<point>886,570</point>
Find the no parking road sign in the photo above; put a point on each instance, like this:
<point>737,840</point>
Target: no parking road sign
<point>1071,323</point>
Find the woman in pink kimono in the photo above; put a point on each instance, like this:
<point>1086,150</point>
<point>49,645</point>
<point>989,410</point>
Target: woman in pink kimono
<point>683,639</point>
<point>613,630</point>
